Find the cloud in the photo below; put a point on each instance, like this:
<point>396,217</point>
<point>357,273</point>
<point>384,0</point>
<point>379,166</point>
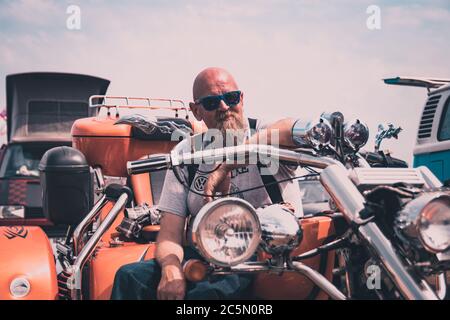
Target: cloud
<point>416,16</point>
<point>36,13</point>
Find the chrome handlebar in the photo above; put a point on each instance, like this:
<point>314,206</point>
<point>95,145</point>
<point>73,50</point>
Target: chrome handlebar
<point>153,163</point>
<point>249,152</point>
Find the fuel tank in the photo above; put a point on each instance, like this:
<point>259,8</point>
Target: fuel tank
<point>294,286</point>
<point>27,265</point>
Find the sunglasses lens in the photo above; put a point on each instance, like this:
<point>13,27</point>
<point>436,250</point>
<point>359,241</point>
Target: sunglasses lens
<point>232,98</point>
<point>211,103</point>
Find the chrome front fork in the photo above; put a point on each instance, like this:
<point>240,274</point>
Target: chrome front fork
<point>350,202</point>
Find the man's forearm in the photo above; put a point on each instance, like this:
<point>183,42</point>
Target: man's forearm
<point>278,133</point>
<point>169,250</point>
<point>169,253</point>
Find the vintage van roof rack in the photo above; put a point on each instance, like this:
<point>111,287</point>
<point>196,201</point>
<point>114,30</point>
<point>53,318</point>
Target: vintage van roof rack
<point>424,82</point>
<point>101,101</point>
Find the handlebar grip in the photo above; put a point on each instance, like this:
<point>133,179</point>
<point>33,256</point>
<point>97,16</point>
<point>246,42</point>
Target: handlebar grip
<point>384,161</point>
<point>154,162</point>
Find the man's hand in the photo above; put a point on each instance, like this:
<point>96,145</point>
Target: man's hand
<point>218,181</point>
<point>172,285</point>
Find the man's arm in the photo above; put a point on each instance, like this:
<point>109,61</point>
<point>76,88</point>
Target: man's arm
<point>281,129</point>
<point>219,179</point>
<point>169,254</point>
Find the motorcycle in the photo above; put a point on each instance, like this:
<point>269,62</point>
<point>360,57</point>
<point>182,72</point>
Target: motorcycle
<point>390,230</point>
<point>384,234</point>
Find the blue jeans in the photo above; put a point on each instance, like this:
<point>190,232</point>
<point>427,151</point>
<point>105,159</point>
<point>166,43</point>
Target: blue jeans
<point>140,280</point>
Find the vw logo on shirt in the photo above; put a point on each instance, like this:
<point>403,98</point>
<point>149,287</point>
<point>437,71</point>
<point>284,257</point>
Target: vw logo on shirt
<point>199,183</point>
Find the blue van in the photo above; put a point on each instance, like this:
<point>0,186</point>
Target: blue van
<point>432,147</point>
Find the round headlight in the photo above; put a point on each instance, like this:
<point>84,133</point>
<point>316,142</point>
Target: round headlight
<point>311,133</point>
<point>356,134</point>
<point>19,287</point>
<point>226,232</point>
<point>434,224</point>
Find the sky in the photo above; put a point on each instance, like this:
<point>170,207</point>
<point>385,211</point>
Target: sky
<point>291,58</point>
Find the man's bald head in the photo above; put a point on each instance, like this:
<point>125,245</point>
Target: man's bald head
<point>212,81</point>
<point>217,82</point>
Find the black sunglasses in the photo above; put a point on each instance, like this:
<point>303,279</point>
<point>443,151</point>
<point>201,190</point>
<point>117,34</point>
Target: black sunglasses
<point>211,103</point>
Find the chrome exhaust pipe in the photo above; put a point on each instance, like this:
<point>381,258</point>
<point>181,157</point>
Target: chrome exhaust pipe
<point>74,282</point>
<point>319,280</point>
<point>86,222</point>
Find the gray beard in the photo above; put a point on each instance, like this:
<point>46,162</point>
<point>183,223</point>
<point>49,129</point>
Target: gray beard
<point>233,129</point>
<point>236,122</point>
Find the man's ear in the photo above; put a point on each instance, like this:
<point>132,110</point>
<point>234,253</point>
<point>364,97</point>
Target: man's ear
<point>196,110</point>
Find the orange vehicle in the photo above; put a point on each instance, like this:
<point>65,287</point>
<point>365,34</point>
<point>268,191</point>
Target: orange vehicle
<point>94,250</point>
<point>116,167</point>
<point>41,108</point>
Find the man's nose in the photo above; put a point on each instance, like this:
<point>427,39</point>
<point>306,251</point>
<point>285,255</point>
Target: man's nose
<point>223,106</point>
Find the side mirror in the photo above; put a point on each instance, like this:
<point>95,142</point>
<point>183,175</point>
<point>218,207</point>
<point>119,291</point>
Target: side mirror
<point>386,132</point>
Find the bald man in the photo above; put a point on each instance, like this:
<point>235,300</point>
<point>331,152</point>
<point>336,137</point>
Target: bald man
<point>219,103</point>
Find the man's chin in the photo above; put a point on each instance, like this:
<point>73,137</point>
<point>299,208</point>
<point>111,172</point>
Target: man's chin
<point>230,123</point>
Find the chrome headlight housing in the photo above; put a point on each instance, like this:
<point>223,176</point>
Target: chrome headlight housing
<point>356,134</point>
<point>426,221</point>
<point>312,133</point>
<point>226,232</point>
<point>434,224</point>
<point>280,229</point>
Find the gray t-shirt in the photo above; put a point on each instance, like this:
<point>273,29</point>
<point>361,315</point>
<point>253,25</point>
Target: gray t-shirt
<point>177,199</point>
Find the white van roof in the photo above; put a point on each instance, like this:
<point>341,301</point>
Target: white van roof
<point>423,82</point>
